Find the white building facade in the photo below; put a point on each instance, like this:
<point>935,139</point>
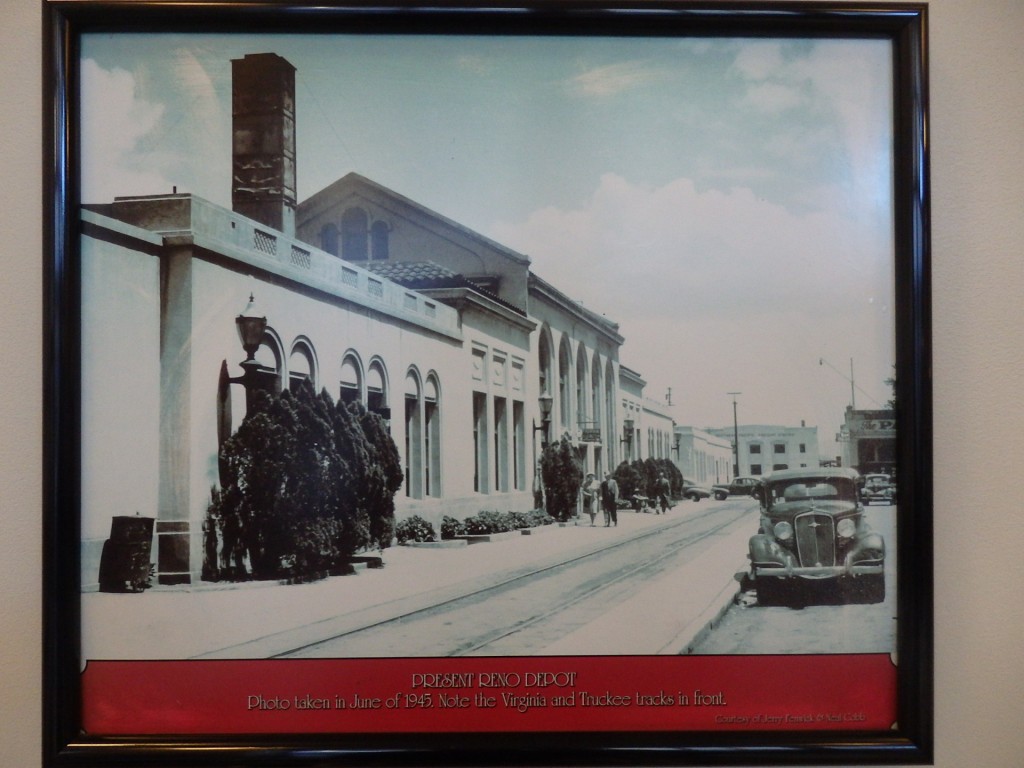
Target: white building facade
<point>368,295</point>
<point>704,458</point>
<point>767,448</point>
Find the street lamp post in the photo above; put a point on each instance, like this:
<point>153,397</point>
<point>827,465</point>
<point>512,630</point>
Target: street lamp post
<point>735,436</point>
<point>545,401</point>
<point>675,450</point>
<point>627,437</point>
<point>853,386</point>
<point>250,327</point>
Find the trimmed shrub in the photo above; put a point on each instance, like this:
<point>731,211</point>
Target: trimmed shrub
<point>450,527</point>
<point>640,477</point>
<point>414,528</point>
<point>538,517</point>
<point>383,478</point>
<point>492,521</point>
<point>305,483</point>
<point>488,521</point>
<point>631,480</point>
<point>562,472</point>
<point>520,520</point>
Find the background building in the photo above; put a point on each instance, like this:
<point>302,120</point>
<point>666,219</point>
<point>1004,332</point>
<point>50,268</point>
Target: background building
<point>631,408</point>
<point>704,458</point>
<point>868,440</point>
<point>766,448</point>
<point>658,428</point>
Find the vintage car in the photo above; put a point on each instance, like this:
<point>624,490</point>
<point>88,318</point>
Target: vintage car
<point>695,492</point>
<point>877,487</point>
<point>813,536</point>
<point>739,486</point>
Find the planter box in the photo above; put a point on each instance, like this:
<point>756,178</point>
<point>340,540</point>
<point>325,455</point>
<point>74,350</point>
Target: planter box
<point>539,529</point>
<point>370,561</point>
<point>443,544</point>
<point>477,538</point>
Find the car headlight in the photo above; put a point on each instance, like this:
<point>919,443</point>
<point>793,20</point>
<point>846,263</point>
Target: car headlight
<point>783,531</point>
<point>846,528</point>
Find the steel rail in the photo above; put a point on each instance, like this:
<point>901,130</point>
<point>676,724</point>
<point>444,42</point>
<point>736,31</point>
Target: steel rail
<point>532,572</point>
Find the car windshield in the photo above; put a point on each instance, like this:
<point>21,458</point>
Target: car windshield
<point>831,489</point>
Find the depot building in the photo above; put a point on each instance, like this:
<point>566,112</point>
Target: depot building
<point>473,359</point>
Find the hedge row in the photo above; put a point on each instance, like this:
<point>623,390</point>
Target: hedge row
<point>417,529</point>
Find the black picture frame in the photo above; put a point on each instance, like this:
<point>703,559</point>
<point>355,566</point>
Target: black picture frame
<point>904,25</point>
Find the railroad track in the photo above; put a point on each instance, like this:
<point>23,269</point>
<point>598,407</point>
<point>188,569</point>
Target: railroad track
<point>520,611</point>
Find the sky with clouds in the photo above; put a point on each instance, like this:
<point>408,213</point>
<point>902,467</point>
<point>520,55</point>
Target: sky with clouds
<point>727,202</point>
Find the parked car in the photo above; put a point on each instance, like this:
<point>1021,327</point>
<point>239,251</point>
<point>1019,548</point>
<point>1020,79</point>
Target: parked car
<point>695,492</point>
<point>740,486</point>
<point>813,535</point>
<point>877,487</point>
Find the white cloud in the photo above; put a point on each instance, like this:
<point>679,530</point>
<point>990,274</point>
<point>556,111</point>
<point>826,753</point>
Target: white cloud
<point>477,65</point>
<point>611,79</point>
<point>721,290</point>
<point>201,128</point>
<point>759,60</point>
<point>773,97</point>
<point>114,121</point>
<point>843,89</point>
<point>629,235</point>
<point>135,144</point>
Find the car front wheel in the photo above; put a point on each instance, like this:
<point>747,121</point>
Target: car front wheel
<point>720,495</point>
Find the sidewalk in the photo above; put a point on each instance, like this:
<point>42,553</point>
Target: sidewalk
<point>259,619</point>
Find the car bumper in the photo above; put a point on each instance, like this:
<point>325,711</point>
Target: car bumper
<point>774,571</point>
<point>866,557</point>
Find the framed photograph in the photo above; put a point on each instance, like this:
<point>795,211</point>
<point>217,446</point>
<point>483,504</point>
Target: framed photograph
<point>487,383</point>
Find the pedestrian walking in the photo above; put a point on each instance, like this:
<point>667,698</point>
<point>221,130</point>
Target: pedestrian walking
<point>610,500</point>
<point>664,489</point>
<point>591,496</point>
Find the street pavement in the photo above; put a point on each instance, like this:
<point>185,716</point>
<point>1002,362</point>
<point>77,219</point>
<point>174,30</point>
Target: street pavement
<point>261,619</point>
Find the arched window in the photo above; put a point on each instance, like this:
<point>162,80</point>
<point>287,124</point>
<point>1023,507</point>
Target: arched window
<point>329,239</point>
<point>432,436</point>
<point>270,356</point>
<point>379,241</point>
<point>581,385</point>
<point>301,364</point>
<point>354,231</point>
<point>610,396</point>
<point>564,393</point>
<point>377,389</point>
<point>351,379</point>
<point>544,363</point>
<point>413,437</point>
<point>595,392</point>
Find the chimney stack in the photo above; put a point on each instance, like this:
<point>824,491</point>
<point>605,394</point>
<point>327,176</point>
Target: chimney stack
<point>263,140</point>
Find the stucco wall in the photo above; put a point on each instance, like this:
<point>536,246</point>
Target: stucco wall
<point>121,407</point>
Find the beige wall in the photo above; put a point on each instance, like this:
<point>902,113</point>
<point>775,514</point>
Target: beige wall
<point>977,94</point>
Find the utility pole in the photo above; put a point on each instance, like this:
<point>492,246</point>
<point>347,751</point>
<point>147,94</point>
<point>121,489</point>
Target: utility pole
<point>853,386</point>
<point>735,437</point>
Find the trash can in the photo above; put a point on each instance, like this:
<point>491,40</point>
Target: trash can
<point>125,560</point>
